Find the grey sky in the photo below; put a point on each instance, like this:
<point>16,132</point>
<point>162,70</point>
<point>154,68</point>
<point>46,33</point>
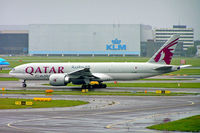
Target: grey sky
<point>158,13</point>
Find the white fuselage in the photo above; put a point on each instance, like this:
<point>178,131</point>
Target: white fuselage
<point>107,71</point>
<point>60,74</point>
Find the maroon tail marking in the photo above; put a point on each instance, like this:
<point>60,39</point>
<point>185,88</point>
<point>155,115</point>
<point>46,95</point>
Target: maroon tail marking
<point>167,51</point>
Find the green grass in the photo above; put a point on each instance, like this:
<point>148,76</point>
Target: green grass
<point>190,124</point>
<point>187,72</point>
<point>175,79</point>
<point>195,61</point>
<point>138,93</point>
<point>156,85</point>
<point>15,61</point>
<point>18,60</point>
<point>4,71</point>
<point>8,79</point>
<point>9,103</point>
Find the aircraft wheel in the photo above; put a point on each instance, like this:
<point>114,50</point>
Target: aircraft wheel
<point>95,86</point>
<point>100,85</point>
<point>104,85</point>
<point>88,86</point>
<point>24,85</point>
<point>92,86</point>
<point>83,87</point>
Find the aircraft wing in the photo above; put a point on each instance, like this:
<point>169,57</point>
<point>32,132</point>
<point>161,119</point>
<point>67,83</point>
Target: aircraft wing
<point>184,66</point>
<point>81,73</point>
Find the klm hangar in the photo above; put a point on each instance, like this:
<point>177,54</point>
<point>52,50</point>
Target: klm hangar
<point>86,39</point>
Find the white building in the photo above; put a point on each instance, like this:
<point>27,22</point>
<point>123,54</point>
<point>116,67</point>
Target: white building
<point>87,39</point>
<point>146,33</point>
<point>186,35</point>
<point>198,51</point>
<point>74,39</point>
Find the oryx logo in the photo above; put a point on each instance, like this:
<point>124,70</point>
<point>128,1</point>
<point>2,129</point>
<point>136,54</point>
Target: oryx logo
<point>116,45</point>
<point>166,53</point>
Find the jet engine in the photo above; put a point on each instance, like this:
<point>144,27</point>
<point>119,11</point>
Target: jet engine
<point>59,80</point>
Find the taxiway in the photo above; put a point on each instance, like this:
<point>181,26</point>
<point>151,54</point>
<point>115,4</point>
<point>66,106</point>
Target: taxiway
<point>103,114</point>
<point>111,114</point>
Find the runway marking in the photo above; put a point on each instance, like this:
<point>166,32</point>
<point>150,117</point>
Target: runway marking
<point>10,124</point>
<point>191,102</point>
<point>111,126</point>
<point>101,113</point>
<point>19,121</point>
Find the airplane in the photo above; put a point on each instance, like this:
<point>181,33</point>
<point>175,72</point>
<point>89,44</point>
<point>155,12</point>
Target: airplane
<point>60,74</point>
<point>3,63</point>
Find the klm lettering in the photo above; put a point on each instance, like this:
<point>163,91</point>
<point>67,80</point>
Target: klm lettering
<point>116,45</point>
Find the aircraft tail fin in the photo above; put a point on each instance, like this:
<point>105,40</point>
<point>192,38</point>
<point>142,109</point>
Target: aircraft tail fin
<point>165,53</point>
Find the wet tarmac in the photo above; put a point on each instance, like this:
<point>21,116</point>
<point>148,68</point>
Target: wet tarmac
<point>110,114</point>
<point>103,114</point>
<point>38,85</point>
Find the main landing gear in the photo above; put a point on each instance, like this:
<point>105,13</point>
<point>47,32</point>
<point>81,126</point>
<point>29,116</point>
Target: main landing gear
<point>24,84</point>
<point>89,86</point>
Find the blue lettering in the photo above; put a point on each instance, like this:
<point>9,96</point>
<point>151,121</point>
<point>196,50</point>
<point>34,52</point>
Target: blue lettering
<point>121,47</point>
<point>108,47</point>
<point>115,47</point>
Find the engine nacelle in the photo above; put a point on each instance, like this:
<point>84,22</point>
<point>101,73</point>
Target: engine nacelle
<point>59,80</point>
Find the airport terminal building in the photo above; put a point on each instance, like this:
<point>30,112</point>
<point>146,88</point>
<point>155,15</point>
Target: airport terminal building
<point>13,40</point>
<point>186,35</point>
<point>87,39</point>
<point>81,39</point>
<point>74,39</point>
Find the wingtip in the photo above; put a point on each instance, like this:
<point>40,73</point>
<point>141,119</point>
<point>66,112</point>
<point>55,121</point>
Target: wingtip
<point>184,66</point>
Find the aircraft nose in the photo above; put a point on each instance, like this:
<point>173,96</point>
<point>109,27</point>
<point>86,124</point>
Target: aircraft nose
<point>12,72</point>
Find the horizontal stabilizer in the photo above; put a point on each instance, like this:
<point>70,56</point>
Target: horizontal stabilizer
<point>184,66</point>
<point>163,68</point>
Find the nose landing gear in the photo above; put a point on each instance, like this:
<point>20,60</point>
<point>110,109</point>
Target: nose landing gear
<point>24,84</point>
